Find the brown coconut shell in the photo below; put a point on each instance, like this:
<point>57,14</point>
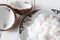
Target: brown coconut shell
<point>22,7</point>
<point>17,18</point>
<point>19,11</point>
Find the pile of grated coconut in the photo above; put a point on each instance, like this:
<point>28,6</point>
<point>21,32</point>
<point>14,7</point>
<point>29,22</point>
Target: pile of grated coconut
<point>46,26</point>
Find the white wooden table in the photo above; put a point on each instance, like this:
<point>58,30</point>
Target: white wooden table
<point>39,4</point>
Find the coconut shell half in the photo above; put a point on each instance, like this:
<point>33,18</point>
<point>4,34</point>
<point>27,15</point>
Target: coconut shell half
<point>22,7</point>
<point>16,20</point>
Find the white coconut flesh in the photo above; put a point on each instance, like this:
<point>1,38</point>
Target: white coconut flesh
<point>7,17</point>
<point>22,5</point>
<point>45,25</point>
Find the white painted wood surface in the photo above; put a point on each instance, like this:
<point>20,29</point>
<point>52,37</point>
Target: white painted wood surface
<point>40,4</point>
<point>48,4</point>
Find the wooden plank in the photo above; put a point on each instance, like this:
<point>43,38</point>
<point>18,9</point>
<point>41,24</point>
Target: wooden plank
<point>9,1</point>
<point>3,1</point>
<point>26,0</point>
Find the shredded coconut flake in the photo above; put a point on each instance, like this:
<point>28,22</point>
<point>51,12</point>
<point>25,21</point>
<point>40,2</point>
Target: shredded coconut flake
<point>45,27</point>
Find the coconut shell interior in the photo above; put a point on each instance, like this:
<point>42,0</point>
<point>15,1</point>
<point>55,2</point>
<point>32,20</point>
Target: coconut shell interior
<point>16,21</point>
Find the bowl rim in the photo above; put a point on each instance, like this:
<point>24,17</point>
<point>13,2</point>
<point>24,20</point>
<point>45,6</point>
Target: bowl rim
<point>28,14</point>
